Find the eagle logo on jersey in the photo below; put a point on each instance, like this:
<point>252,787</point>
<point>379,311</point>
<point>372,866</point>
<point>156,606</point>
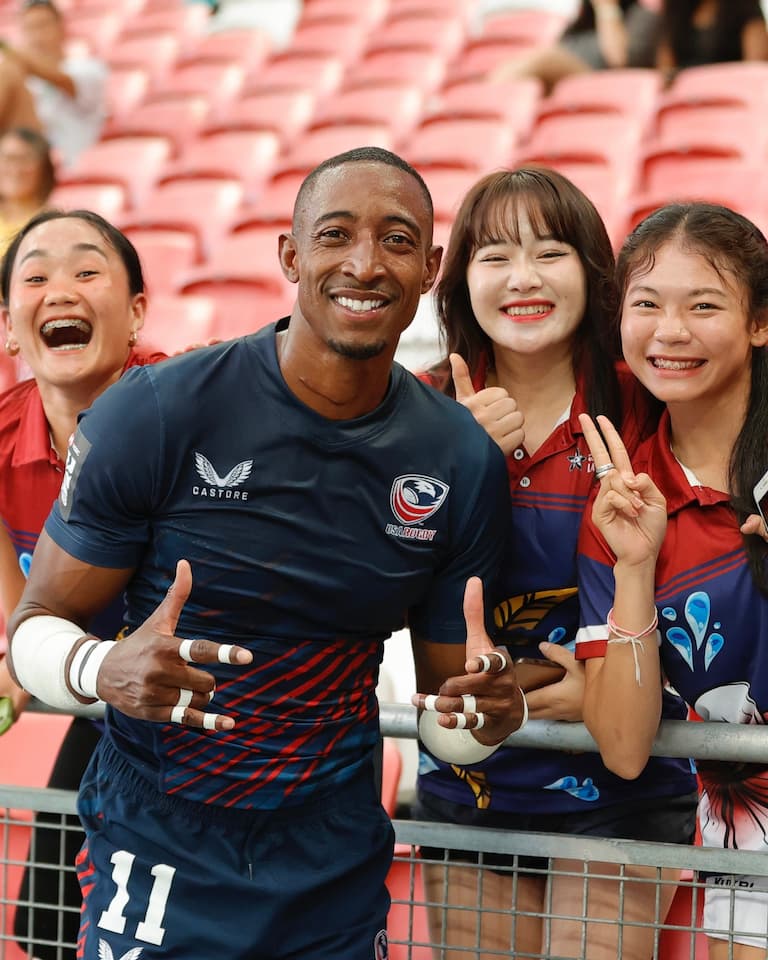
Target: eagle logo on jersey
<point>415,498</point>
<point>237,475</point>
<point>381,946</point>
<point>105,952</point>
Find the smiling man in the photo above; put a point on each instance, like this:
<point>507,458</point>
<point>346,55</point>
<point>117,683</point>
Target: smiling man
<point>236,768</point>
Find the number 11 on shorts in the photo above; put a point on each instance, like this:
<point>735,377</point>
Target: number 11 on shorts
<point>150,929</point>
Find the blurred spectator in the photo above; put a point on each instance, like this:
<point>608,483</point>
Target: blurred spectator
<point>41,87</point>
<point>27,178</point>
<point>694,32</point>
<point>604,34</point>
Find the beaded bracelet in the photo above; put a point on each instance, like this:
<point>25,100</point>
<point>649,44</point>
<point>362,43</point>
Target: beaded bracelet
<point>620,635</point>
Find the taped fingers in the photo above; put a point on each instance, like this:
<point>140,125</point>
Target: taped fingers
<point>493,662</point>
<point>185,650</point>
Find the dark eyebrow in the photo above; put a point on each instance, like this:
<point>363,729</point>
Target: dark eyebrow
<point>699,292</point>
<point>348,215</point>
<point>80,247</point>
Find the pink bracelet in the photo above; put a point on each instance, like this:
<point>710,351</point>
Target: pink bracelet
<point>627,636</point>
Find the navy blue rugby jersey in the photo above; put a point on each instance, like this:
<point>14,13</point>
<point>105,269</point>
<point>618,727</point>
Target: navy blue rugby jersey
<point>310,541</point>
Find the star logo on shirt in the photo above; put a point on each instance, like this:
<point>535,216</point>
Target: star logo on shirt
<point>576,460</point>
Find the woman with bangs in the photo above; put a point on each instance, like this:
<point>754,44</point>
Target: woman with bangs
<point>672,558</point>
<point>526,303</point>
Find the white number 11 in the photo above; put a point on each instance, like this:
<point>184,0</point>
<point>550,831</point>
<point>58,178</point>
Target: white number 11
<point>150,929</point>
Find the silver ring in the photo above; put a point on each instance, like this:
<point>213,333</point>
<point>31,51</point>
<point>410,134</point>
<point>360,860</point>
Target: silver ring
<point>177,714</point>
<point>470,703</point>
<point>600,472</point>
<point>480,721</point>
<point>485,659</point>
<point>185,648</point>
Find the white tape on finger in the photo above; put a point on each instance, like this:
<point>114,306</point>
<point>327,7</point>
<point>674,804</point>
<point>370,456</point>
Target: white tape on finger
<point>177,714</point>
<point>461,721</point>
<point>209,721</point>
<point>224,651</point>
<point>430,702</point>
<point>185,698</point>
<point>185,650</point>
<point>470,703</point>
<point>480,721</point>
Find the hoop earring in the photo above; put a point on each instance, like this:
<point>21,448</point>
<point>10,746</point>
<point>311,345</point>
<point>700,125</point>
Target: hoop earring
<point>11,347</point>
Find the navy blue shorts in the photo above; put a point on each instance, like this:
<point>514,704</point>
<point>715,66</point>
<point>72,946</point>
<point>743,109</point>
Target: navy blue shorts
<point>178,879</point>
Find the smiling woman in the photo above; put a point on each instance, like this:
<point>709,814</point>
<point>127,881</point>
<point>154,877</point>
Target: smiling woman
<point>27,178</point>
<point>73,295</point>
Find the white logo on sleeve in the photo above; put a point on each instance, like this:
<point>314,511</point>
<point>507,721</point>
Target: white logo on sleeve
<point>221,488</point>
<point>105,952</point>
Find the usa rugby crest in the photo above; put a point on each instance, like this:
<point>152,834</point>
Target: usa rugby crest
<point>415,498</point>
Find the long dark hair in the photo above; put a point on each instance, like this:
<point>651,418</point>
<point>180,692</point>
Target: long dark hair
<point>559,209</point>
<point>42,151</point>
<point>732,244</point>
<point>724,36</point>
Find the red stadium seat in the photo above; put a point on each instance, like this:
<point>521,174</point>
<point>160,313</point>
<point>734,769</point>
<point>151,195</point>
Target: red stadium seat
<point>246,155</point>
<point>242,306</point>
<point>443,34</point>
<point>530,26</point>
<point>155,53</point>
<point>634,92</point>
<point>608,141</point>
<point>392,768</point>
<point>371,12</point>
<point>399,65</point>
<point>396,105</point>
<point>483,54</point>
<point>321,73</point>
<point>345,39</point>
<point>132,162</point>
<point>314,146</point>
<point>220,83</point>
<point>447,186</point>
<point>187,20</point>
<point>475,143</point>
<point>108,199</point>
<point>165,256</point>
<point>744,82</point>
<point>98,29</point>
<point>275,202</point>
<point>407,920</point>
<point>174,323</point>
<point>203,206</point>
<point>515,102</point>
<point>286,112</point>
<point>176,117</point>
<point>249,47</point>
<point>249,254</point>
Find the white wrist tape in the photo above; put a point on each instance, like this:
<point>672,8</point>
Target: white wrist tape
<point>39,651</point>
<point>451,746</point>
<point>84,670</point>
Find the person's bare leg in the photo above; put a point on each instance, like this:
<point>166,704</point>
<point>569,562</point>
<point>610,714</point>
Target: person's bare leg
<point>619,903</point>
<point>17,107</point>
<point>482,913</point>
<point>548,65</point>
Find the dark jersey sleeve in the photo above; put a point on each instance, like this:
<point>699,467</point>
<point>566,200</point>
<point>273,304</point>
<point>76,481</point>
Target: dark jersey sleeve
<point>102,515</point>
<point>476,552</point>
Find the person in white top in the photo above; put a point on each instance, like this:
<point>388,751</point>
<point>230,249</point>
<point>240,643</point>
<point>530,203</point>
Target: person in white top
<point>40,86</point>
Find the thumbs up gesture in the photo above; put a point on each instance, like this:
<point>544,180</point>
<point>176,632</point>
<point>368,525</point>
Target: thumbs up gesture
<point>153,675</point>
<point>487,699</point>
<point>492,407</point>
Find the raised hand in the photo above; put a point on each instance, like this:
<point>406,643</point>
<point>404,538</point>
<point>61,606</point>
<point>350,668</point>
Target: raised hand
<point>492,407</point>
<point>152,674</point>
<point>487,699</point>
<point>629,510</point>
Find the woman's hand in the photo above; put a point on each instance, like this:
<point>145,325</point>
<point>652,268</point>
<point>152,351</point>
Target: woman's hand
<point>629,510</point>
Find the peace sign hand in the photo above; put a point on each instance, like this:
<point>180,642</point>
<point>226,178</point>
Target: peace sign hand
<point>629,510</point>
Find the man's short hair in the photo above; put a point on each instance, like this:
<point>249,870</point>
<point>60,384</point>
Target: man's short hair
<point>360,155</point>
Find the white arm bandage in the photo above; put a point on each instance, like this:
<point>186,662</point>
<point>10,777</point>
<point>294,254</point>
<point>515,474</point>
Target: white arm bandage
<point>39,651</point>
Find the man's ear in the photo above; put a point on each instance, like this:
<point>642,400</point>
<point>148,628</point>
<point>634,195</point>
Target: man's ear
<point>288,257</point>
<point>432,268</point>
